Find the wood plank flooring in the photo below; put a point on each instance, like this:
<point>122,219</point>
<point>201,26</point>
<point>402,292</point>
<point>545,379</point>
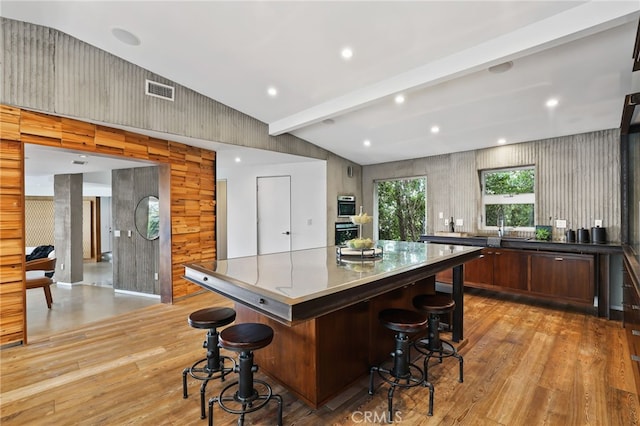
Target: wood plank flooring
<point>524,365</point>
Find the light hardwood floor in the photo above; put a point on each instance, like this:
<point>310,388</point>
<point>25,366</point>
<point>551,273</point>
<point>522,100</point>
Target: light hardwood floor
<point>524,365</point>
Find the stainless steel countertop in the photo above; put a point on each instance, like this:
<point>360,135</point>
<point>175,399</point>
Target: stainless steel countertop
<point>281,282</point>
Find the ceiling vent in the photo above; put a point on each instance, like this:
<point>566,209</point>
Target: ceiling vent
<point>79,162</point>
<point>159,90</point>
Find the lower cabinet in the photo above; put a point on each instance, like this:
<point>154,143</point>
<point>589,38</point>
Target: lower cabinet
<point>510,269</point>
<point>566,277</point>
<point>631,312</point>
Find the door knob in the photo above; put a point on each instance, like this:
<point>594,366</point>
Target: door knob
<point>286,233</point>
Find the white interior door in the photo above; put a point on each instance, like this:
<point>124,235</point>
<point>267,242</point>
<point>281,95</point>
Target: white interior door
<point>274,214</point>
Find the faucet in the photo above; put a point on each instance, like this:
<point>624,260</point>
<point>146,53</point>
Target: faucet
<point>451,225</point>
<point>501,226</point>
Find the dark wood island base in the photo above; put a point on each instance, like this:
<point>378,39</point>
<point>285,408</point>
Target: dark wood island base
<point>318,359</point>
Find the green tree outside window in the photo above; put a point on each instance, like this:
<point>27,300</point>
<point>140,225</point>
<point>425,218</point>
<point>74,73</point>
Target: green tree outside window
<point>401,209</point>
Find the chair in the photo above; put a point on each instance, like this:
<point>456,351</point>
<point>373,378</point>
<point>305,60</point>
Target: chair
<point>241,397</point>
<point>48,267</point>
<point>402,373</point>
<point>433,346</point>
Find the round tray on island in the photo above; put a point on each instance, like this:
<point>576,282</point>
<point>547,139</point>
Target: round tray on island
<point>364,253</point>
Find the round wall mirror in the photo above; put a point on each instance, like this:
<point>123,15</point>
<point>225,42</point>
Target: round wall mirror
<point>148,217</point>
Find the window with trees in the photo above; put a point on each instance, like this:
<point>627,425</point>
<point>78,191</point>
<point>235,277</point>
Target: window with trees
<point>509,194</point>
<point>401,209</point>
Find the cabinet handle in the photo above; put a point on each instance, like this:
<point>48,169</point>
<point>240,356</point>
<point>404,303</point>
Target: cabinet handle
<point>635,332</point>
<point>626,286</point>
<point>635,358</point>
<point>635,307</point>
<point>558,259</point>
<point>498,253</point>
<point>489,252</point>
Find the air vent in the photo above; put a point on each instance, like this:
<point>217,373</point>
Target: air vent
<point>159,90</point>
<point>79,162</point>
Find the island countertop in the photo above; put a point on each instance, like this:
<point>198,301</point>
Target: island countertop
<point>304,284</point>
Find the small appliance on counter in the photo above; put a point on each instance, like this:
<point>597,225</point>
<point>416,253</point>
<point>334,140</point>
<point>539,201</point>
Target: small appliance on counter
<point>583,235</point>
<point>571,236</point>
<point>599,235</point>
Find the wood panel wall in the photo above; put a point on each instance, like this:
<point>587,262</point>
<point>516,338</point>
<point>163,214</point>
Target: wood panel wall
<point>187,184</point>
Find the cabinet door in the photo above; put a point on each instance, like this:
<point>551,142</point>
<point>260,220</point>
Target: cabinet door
<point>480,271</point>
<point>445,276</point>
<point>568,277</point>
<point>510,269</point>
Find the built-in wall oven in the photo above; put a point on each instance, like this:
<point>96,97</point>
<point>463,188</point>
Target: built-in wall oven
<point>345,231</point>
<point>346,205</point>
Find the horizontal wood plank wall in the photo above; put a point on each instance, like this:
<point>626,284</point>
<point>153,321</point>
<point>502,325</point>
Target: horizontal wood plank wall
<point>192,198</point>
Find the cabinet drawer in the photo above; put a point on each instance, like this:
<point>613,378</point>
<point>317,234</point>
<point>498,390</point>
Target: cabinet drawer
<point>570,277</point>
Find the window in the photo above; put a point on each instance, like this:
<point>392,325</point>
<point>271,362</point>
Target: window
<point>401,209</point>
<point>509,194</point>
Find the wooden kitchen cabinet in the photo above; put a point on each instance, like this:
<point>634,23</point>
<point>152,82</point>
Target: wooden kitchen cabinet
<point>479,272</point>
<point>496,268</point>
<point>565,277</point>
<point>510,269</point>
<point>631,318</point>
<point>568,277</point>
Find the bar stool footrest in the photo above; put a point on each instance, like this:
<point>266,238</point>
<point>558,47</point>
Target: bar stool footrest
<point>415,377</point>
<point>203,373</point>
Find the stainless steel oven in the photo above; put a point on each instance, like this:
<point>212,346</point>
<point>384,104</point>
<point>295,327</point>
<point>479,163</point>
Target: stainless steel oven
<point>346,205</point>
<point>345,231</point>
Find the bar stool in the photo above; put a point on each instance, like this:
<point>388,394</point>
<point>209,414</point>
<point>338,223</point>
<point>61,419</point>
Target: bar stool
<point>245,338</point>
<point>211,367</point>
<point>433,346</point>
<point>403,374</point>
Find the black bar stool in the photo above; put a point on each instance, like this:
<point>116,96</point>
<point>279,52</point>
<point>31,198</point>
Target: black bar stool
<point>433,346</point>
<point>211,367</point>
<point>245,338</point>
<point>403,373</point>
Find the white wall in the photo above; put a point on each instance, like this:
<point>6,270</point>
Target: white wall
<point>308,201</point>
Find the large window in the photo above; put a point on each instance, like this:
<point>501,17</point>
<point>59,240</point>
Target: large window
<point>509,195</point>
<point>401,209</point>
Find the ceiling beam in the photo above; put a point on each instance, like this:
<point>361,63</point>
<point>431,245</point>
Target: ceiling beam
<point>580,21</point>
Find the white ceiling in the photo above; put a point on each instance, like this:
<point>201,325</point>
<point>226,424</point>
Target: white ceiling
<point>436,53</point>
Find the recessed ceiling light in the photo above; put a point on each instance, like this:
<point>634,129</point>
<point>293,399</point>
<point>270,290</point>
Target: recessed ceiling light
<point>238,159</point>
<point>82,156</point>
<point>125,36</point>
<point>500,68</point>
<point>552,102</point>
<point>399,99</point>
<point>366,142</point>
<point>502,141</point>
<point>272,91</point>
<point>346,53</point>
<point>435,129</point>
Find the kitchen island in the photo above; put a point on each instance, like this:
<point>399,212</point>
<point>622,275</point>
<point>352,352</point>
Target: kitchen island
<point>323,306</point>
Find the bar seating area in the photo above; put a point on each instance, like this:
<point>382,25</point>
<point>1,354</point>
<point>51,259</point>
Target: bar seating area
<point>212,366</point>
